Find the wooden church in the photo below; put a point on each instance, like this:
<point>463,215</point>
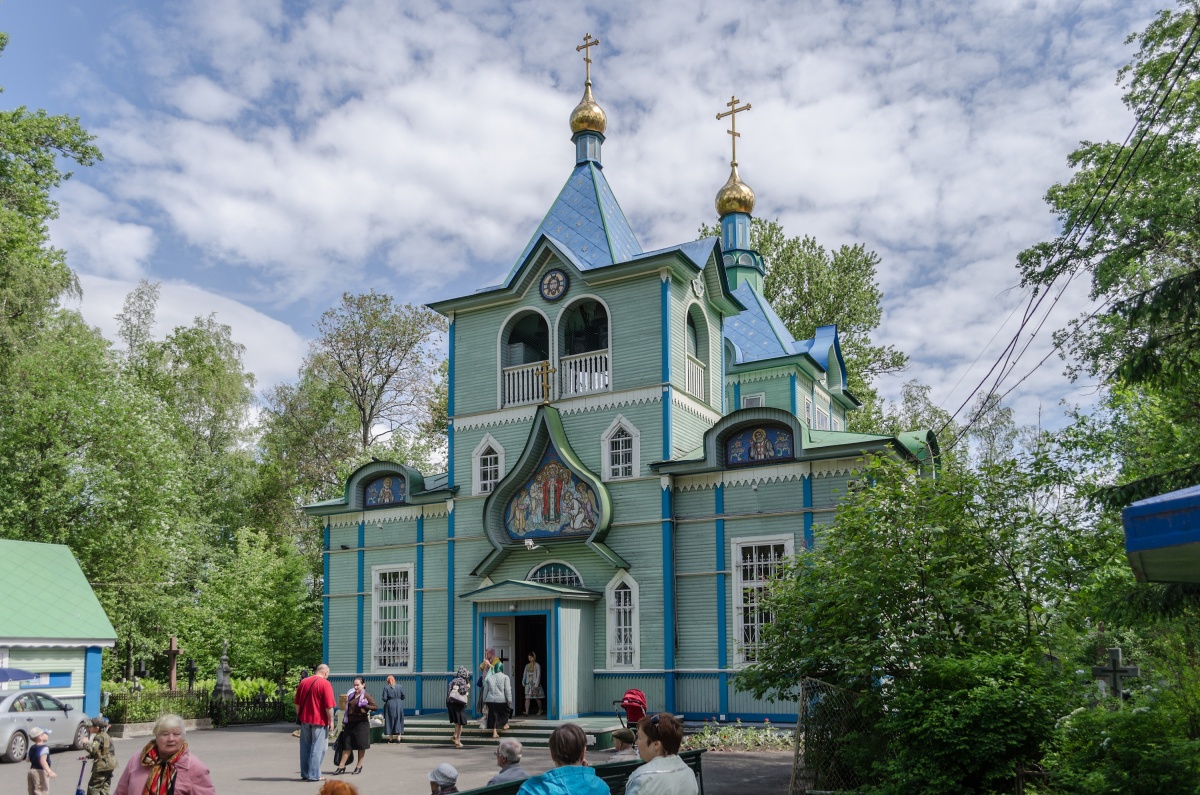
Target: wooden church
<point>636,444</point>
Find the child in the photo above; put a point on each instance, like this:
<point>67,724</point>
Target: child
<point>39,763</point>
<point>104,760</point>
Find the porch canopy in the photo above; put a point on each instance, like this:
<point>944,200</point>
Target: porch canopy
<point>1162,537</point>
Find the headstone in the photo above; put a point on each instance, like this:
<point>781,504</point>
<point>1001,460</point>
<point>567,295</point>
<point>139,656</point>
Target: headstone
<point>223,690</point>
<point>1110,675</point>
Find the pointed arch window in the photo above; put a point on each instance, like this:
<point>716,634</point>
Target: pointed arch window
<point>620,451</point>
<point>488,465</point>
<point>624,631</point>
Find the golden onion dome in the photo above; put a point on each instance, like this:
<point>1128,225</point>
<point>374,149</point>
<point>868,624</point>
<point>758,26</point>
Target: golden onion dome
<point>587,114</point>
<point>735,196</point>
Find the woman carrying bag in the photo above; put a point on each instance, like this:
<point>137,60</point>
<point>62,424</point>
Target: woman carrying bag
<point>359,705</point>
<point>457,699</point>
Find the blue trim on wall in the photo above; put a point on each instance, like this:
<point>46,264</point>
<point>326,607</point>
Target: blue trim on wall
<point>722,618</point>
<point>808,517</point>
<point>737,395</point>
<point>668,581</point>
<point>666,422</point>
<point>362,587</point>
<point>476,654</point>
<point>792,391</point>
<point>420,628</point>
<point>450,666</point>
<point>450,376</point>
<point>91,680</point>
<point>553,708</point>
<point>325,600</point>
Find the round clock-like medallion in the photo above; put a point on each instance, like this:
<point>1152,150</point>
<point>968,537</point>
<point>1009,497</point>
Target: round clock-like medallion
<point>554,284</point>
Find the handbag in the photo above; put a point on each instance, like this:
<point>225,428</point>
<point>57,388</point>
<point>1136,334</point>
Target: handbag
<point>461,698</point>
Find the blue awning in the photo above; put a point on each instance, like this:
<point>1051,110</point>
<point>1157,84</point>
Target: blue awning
<point>1162,537</point>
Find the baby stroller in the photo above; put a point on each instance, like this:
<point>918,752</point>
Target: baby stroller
<point>632,708</point>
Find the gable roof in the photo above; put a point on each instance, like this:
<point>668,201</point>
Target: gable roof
<point>44,597</point>
<point>586,221</point>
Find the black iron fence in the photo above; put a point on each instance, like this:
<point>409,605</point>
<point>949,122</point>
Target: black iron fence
<point>147,707</point>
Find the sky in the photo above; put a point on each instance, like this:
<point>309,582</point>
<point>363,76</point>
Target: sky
<point>261,157</point>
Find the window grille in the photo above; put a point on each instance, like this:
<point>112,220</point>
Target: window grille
<point>557,574</point>
<point>621,612</point>
<point>489,470</point>
<point>393,603</point>
<point>758,563</point>
<point>620,454</point>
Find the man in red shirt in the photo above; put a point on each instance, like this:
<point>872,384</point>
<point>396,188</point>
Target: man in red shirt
<point>314,710</point>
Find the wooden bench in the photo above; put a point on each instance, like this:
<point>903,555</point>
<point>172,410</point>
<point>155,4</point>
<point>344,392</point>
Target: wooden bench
<point>614,774</point>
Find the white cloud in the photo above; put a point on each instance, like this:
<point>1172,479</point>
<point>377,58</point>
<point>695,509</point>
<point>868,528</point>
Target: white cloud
<point>90,229</point>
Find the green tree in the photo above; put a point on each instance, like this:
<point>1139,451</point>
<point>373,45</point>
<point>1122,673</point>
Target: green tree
<point>809,286</point>
<point>33,274</point>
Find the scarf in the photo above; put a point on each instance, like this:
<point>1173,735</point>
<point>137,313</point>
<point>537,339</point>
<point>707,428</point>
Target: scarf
<point>162,773</point>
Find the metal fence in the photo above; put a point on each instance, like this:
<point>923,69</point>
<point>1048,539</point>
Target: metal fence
<point>147,707</point>
<point>829,725</point>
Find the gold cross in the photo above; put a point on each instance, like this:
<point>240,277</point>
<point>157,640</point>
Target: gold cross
<point>544,370</point>
<point>588,41</point>
<point>732,114</point>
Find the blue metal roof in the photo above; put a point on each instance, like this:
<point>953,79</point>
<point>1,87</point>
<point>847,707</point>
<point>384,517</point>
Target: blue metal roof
<point>1162,537</point>
<point>698,251</point>
<point>758,333</point>
<point>587,221</point>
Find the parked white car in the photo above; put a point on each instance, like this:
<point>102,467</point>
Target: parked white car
<point>21,711</point>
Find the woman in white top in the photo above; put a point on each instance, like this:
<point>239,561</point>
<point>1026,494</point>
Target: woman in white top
<point>532,682</point>
<point>658,739</point>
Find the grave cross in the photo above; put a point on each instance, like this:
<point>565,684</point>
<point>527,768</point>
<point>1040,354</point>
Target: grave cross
<point>543,371</point>
<point>172,653</point>
<point>732,113</point>
<point>1114,672</point>
<point>191,672</point>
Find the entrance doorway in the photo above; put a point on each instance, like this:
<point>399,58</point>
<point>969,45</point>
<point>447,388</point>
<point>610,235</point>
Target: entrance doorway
<point>530,636</point>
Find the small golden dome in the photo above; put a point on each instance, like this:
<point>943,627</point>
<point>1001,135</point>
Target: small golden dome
<point>735,197</point>
<point>587,114</point>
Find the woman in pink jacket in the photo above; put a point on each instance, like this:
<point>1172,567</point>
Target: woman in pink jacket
<point>165,766</point>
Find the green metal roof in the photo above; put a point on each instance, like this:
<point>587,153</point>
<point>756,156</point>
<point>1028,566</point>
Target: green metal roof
<point>45,597</point>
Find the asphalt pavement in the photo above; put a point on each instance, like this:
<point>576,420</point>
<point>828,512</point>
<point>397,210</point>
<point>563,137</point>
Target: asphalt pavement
<point>264,760</point>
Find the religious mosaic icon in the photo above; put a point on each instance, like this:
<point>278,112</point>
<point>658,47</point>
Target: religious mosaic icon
<point>554,284</point>
<point>553,503</point>
<point>387,490</point>
<point>759,445</point>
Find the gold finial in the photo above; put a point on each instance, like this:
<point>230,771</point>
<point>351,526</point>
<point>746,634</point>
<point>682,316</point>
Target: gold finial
<point>732,114</point>
<point>587,114</point>
<point>588,41</point>
<point>544,370</point>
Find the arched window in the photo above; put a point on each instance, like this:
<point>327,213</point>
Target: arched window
<point>583,365</point>
<point>624,632</point>
<point>524,347</point>
<point>620,451</point>
<point>556,573</point>
<point>697,353</point>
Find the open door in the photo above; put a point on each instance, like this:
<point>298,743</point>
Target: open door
<point>499,633</point>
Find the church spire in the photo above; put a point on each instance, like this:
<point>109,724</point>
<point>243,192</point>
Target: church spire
<point>588,121</point>
<point>735,202</point>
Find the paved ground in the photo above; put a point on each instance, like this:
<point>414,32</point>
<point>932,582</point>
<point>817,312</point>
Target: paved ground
<point>261,760</point>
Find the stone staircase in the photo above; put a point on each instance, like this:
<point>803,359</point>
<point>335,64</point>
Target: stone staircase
<point>531,732</point>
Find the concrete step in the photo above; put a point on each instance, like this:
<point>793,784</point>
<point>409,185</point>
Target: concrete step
<point>532,732</point>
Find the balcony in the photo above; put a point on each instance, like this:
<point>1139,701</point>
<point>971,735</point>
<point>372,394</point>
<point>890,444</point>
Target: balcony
<point>523,383</point>
<point>583,374</point>
<point>697,378</point>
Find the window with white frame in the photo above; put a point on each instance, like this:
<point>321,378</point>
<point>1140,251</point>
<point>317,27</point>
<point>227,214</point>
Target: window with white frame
<point>488,459</point>
<point>623,630</point>
<point>392,628</point>
<point>620,450</point>
<point>822,419</point>
<point>837,422</point>
<point>756,562</point>
<point>754,401</point>
<point>808,412</point>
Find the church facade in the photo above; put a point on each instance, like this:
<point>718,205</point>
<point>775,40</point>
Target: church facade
<point>636,444</point>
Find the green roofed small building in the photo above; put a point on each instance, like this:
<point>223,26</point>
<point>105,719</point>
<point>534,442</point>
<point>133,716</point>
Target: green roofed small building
<point>51,623</point>
<point>636,444</point>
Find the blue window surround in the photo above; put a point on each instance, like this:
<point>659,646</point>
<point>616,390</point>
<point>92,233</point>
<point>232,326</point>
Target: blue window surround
<point>62,679</point>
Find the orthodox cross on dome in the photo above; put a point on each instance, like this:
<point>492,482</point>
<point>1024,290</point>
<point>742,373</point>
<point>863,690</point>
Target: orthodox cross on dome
<point>732,114</point>
<point>543,371</point>
<point>588,41</point>
<point>1114,672</point>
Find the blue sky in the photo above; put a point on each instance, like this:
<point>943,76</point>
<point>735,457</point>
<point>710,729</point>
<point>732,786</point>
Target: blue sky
<point>261,156</point>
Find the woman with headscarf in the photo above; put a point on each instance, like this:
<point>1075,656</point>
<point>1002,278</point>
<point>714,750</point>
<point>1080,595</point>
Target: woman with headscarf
<point>497,696</point>
<point>393,710</point>
<point>165,766</point>
<point>457,698</point>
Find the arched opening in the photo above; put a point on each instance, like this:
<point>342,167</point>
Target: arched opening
<point>524,351</point>
<point>697,353</point>
<point>556,573</point>
<point>583,348</point>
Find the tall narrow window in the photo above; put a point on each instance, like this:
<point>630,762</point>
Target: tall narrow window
<point>623,630</point>
<point>620,454</point>
<point>489,470</point>
<point>758,562</point>
<point>392,631</point>
<point>808,414</point>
